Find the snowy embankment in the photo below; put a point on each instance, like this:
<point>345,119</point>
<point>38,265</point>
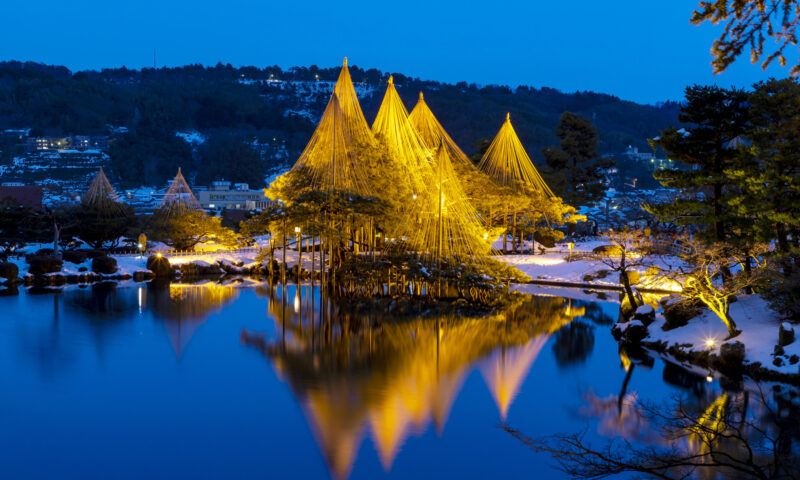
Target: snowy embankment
<point>246,259</point>
<point>554,266</point>
<point>700,338</point>
<point>558,265</point>
<point>706,333</point>
<point>127,265</point>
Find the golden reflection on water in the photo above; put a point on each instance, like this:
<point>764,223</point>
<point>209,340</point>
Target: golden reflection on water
<point>185,307</point>
<point>358,374</point>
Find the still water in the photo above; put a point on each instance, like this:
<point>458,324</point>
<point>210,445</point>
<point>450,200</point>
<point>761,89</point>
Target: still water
<point>211,381</point>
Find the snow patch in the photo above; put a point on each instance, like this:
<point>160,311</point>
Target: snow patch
<point>192,137</point>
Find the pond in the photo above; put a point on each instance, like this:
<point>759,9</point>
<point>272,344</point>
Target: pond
<point>212,381</point>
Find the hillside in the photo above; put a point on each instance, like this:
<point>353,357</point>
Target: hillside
<point>275,110</point>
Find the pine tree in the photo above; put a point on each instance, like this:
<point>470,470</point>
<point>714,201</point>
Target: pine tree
<point>716,120</point>
<point>181,222</point>
<point>101,219</point>
<point>576,161</point>
<point>769,173</point>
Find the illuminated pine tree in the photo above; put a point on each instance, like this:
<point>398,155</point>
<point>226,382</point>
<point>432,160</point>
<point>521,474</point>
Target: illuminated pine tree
<point>526,204</point>
<point>447,225</point>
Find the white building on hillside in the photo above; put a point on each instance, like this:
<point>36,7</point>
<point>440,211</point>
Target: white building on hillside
<point>239,197</point>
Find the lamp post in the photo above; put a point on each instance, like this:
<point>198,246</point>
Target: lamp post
<point>571,246</point>
<point>299,252</point>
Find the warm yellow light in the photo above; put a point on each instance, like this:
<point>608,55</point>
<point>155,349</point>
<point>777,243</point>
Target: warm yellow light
<point>709,342</point>
<point>158,254</point>
<point>485,236</point>
<point>571,245</point>
<point>296,229</point>
<point>414,197</point>
<point>709,379</point>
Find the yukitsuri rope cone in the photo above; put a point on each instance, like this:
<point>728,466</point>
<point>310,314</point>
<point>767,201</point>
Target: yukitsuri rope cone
<point>475,183</point>
<point>508,164</point>
<point>101,195</point>
<point>179,197</point>
<point>348,102</point>
<point>330,155</point>
<point>448,227</point>
<point>406,147</point>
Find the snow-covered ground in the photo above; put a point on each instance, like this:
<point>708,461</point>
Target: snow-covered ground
<point>556,265</point>
<point>192,137</point>
<point>758,323</point>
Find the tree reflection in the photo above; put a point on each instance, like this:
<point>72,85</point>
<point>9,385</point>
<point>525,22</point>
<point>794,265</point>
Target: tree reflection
<point>100,302</point>
<point>710,435</point>
<point>185,307</point>
<point>357,372</point>
<point>573,343</point>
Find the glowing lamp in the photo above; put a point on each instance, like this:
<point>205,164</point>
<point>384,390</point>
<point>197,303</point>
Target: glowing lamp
<point>414,197</point>
<point>709,379</point>
<point>158,254</point>
<point>140,246</point>
<point>485,236</point>
<point>710,342</point>
<point>296,229</point>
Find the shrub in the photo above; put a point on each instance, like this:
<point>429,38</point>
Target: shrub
<point>74,256</point>
<point>678,314</point>
<point>9,270</point>
<point>159,266</point>
<point>784,296</point>
<point>40,265</point>
<point>785,334</point>
<point>610,250</point>
<point>104,265</point>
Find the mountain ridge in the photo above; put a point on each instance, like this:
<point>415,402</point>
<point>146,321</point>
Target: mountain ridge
<point>281,106</point>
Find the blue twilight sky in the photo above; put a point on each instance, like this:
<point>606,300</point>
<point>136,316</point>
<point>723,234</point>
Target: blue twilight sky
<point>642,50</point>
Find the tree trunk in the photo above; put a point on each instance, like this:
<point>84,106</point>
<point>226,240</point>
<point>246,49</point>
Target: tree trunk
<point>626,285</point>
<point>748,270</point>
<point>514,233</point>
<point>783,247</point>
<point>505,231</point>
